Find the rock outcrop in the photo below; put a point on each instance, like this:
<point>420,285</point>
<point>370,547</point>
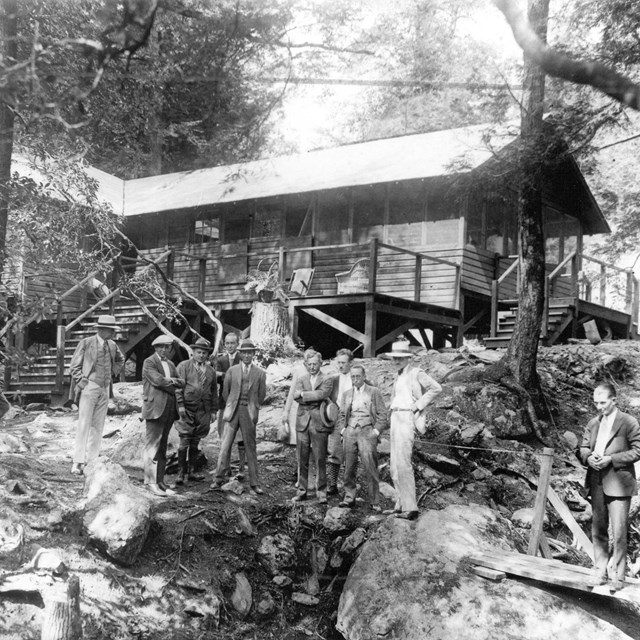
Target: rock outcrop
<point>411,581</point>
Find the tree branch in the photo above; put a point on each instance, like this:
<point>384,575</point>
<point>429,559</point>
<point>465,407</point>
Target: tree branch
<point>556,64</point>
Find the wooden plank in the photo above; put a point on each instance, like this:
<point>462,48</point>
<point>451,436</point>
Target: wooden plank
<point>418,315</point>
<point>386,339</point>
<point>563,511</point>
<point>539,508</point>
<point>489,574</point>
<point>332,322</point>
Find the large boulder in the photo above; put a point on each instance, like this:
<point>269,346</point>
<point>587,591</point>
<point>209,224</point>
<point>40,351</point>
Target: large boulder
<point>411,581</point>
<point>117,515</point>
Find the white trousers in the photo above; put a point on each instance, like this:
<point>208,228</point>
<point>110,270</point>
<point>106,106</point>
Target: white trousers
<point>402,436</point>
<point>92,411</point>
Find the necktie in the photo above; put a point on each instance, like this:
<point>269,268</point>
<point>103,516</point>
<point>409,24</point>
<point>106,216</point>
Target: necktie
<point>202,375</point>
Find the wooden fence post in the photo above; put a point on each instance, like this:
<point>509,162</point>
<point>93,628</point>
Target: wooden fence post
<point>546,462</point>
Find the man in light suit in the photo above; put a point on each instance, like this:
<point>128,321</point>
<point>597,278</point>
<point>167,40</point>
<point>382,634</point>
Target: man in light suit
<point>362,418</point>
<point>312,388</point>
<point>223,364</point>
<point>245,388</point>
<point>197,401</point>
<point>160,381</point>
<point>413,391</point>
<point>95,362</point>
<point>610,446</point>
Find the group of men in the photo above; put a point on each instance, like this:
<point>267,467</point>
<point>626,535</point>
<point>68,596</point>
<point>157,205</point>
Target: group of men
<point>339,418</point>
<point>186,397</point>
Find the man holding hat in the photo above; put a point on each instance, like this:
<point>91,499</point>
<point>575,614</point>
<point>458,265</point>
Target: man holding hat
<point>95,362</point>
<point>197,402</point>
<point>160,381</point>
<point>244,390</point>
<point>412,392</point>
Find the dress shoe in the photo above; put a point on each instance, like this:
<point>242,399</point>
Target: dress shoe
<point>167,491</point>
<point>196,477</point>
<point>407,515</point>
<point>322,497</point>
<point>299,497</point>
<point>332,491</point>
<point>597,580</point>
<point>615,585</point>
<point>257,490</point>
<point>347,504</point>
<point>156,490</point>
<point>76,469</point>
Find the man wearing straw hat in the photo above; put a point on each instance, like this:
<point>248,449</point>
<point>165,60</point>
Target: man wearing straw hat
<point>245,388</point>
<point>412,392</point>
<point>95,362</point>
<point>160,381</point>
<point>197,402</point>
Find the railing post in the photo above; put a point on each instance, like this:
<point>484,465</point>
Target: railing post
<point>628,297</point>
<point>574,276</point>
<point>418,280</point>
<point>541,501</point>
<point>495,290</point>
<point>202,279</point>
<point>281,264</point>
<point>635,307</point>
<point>544,329</point>
<point>60,347</point>
<point>373,269</point>
<point>603,284</point>
<point>169,272</point>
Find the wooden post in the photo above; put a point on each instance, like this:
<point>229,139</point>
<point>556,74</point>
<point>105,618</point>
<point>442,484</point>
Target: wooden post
<point>635,307</point>
<point>373,270</point>
<point>293,321</point>
<point>62,612</point>
<point>603,284</point>
<point>281,264</point>
<point>169,272</point>
<point>546,462</point>
<point>60,346</point>
<point>418,279</point>
<point>370,330</point>
<point>495,290</point>
<point>202,279</point>
<point>544,331</point>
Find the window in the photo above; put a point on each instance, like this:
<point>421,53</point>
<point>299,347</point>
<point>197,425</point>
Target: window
<point>368,213</point>
<point>298,216</point>
<point>406,213</point>
<point>333,217</point>
<point>267,222</point>
<point>237,224</point>
<point>207,231</point>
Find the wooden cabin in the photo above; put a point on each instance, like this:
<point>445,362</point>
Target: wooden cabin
<point>413,235</point>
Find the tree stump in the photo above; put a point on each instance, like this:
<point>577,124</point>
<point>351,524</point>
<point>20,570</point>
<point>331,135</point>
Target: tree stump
<point>62,612</point>
<point>269,319</point>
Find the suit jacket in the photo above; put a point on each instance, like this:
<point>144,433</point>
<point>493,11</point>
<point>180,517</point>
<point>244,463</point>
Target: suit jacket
<point>309,403</point>
<point>157,388</point>
<point>378,410</point>
<point>192,394</point>
<point>424,390</point>
<point>223,364</point>
<point>84,359</point>
<point>623,445</point>
<point>233,386</point>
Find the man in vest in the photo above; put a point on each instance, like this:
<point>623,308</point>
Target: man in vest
<point>412,392</point>
<point>245,388</point>
<point>363,416</point>
<point>197,401</point>
<point>95,362</point>
<point>223,364</point>
<point>160,381</point>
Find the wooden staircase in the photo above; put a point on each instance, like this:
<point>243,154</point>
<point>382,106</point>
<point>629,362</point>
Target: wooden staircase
<point>561,314</point>
<point>38,378</point>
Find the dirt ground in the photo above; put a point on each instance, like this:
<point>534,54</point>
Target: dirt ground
<point>196,545</point>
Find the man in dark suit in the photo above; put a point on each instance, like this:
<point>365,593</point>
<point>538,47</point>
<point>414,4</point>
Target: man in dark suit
<point>312,388</point>
<point>160,381</point>
<point>245,388</point>
<point>362,418</point>
<point>223,364</point>
<point>95,362</point>
<point>610,446</point>
<point>197,401</point>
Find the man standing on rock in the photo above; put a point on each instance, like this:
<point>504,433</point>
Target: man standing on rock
<point>610,446</point>
<point>95,362</point>
<point>311,389</point>
<point>245,388</point>
<point>335,454</point>
<point>413,391</point>
<point>197,401</point>
<point>160,381</point>
<point>223,364</point>
<point>363,416</point>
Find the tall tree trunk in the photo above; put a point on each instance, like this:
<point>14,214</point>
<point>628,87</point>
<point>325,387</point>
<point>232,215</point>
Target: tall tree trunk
<point>522,352</point>
<point>8,54</point>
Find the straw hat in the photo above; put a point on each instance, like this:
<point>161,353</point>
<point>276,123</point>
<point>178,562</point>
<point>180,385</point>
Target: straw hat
<point>106,322</point>
<point>247,345</point>
<point>400,349</point>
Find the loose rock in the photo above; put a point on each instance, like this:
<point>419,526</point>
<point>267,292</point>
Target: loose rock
<point>242,597</point>
<point>303,598</point>
<point>277,553</point>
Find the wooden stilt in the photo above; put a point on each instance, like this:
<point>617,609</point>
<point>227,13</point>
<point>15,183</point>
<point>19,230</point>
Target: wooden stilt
<point>370,331</point>
<point>546,462</point>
